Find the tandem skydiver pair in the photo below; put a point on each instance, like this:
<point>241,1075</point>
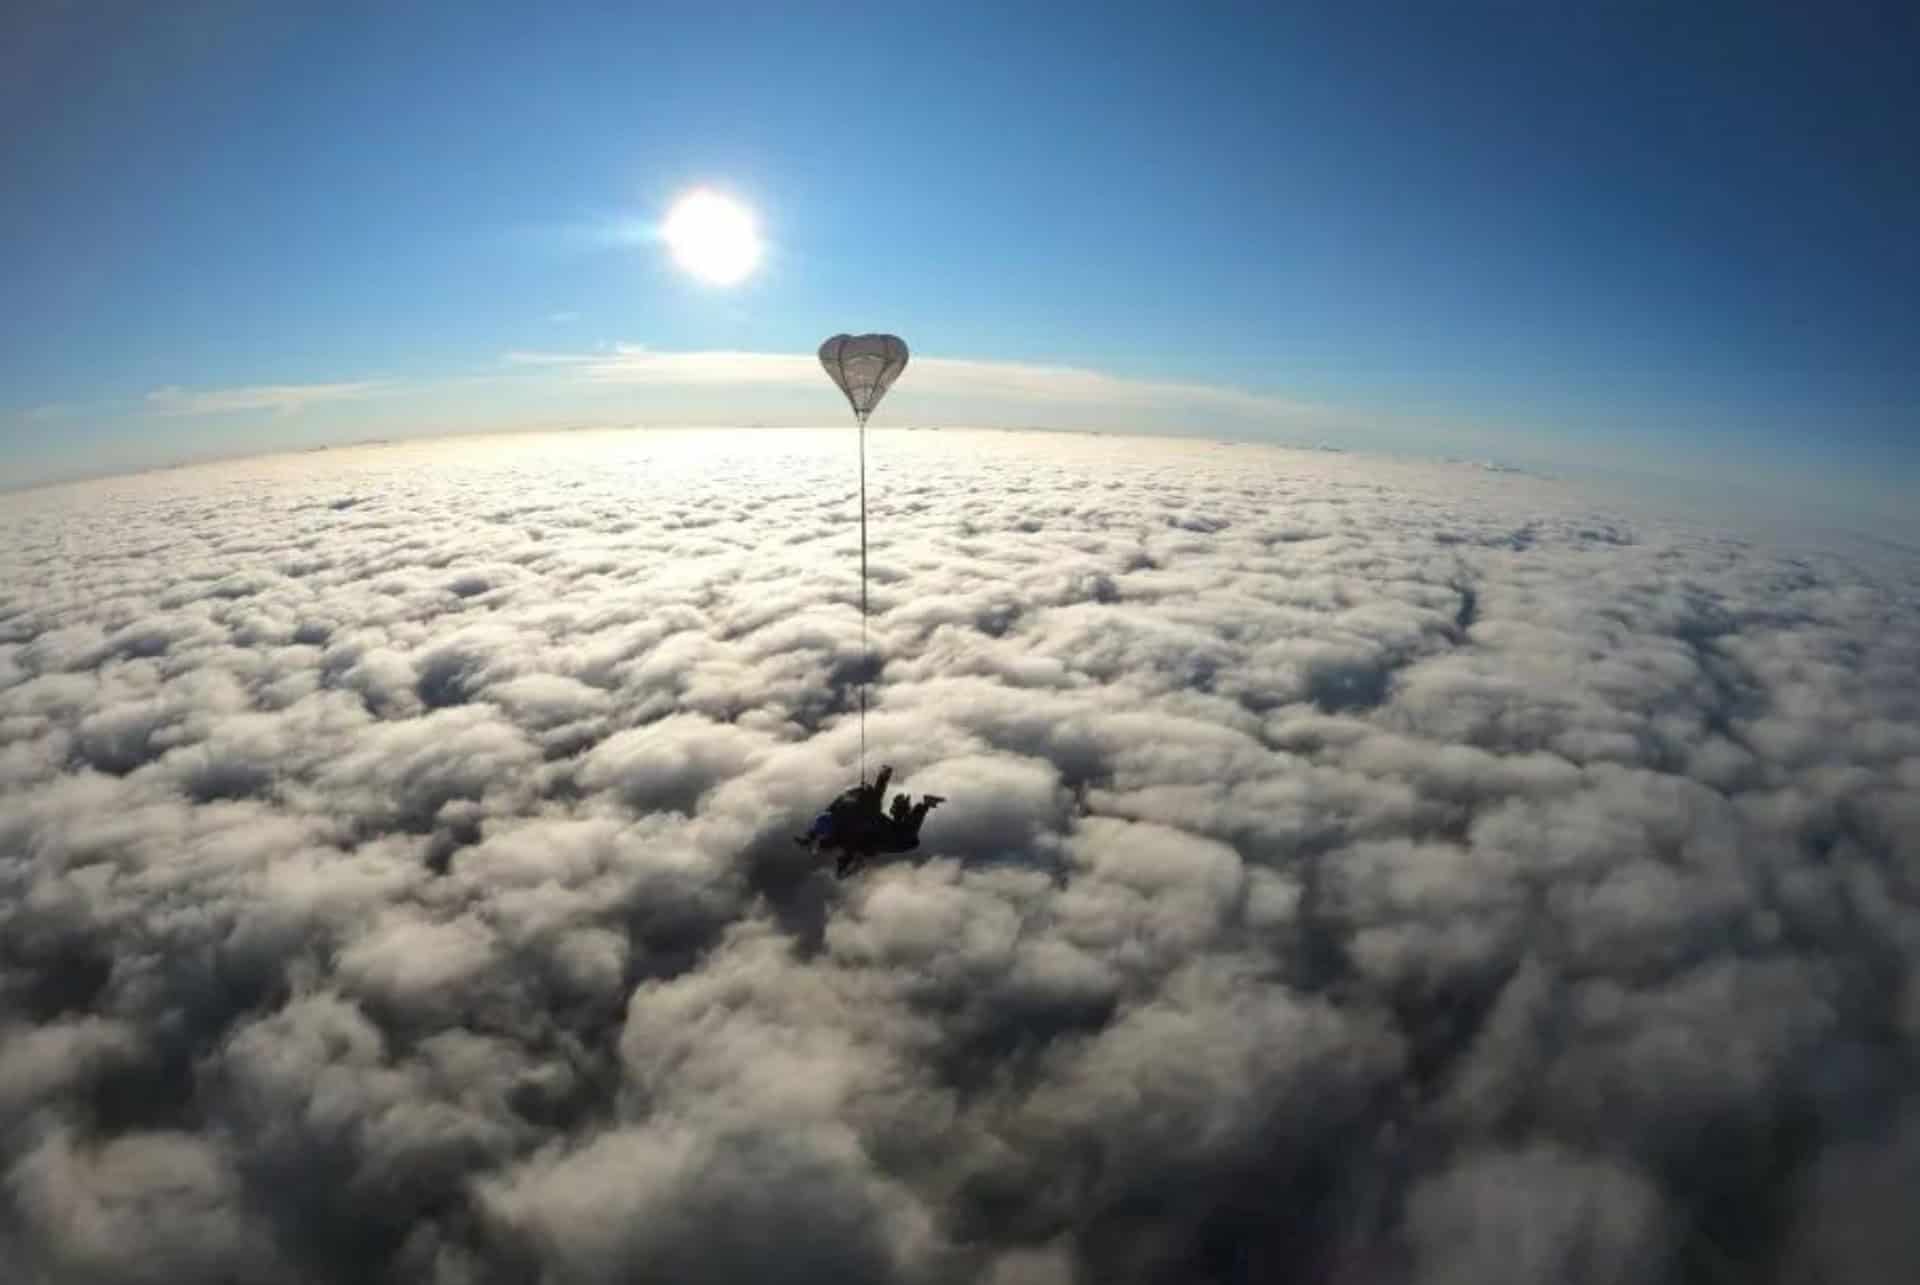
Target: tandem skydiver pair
<point>855,829</point>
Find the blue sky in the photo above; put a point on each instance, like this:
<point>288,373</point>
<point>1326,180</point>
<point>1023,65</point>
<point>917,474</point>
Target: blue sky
<point>1638,237</point>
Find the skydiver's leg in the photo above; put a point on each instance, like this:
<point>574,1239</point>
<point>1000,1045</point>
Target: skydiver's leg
<point>914,820</point>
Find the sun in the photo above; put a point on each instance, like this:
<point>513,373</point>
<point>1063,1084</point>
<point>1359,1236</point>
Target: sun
<point>713,237</point>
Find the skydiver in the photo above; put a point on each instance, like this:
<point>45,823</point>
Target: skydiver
<point>862,799</point>
<point>878,791</point>
<point>852,818</point>
<point>905,822</point>
<point>857,835</point>
<point>898,833</point>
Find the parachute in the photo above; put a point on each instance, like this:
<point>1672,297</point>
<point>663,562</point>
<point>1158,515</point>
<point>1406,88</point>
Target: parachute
<point>864,366</point>
<point>854,827</point>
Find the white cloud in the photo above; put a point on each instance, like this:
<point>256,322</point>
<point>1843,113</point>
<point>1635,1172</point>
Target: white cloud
<point>396,875</point>
<point>280,399</point>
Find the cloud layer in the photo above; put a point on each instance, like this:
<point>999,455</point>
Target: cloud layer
<point>1014,381</point>
<point>1354,871</point>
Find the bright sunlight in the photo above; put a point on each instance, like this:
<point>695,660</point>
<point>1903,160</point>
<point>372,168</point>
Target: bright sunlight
<point>713,237</point>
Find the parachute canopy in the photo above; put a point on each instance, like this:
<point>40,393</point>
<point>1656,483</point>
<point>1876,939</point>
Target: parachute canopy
<point>865,367</point>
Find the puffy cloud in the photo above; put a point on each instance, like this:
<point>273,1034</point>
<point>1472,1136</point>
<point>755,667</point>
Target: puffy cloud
<point>1352,869</point>
<point>1537,1215</point>
<point>139,1207</point>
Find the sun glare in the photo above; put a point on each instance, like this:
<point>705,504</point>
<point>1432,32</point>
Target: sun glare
<point>713,237</point>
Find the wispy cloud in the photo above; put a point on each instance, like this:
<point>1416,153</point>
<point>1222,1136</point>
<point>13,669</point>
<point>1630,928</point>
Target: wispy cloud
<point>590,235</point>
<point>50,412</point>
<point>279,399</point>
<point>563,317</point>
<point>533,357</point>
<point>1078,384</point>
<point>939,376</point>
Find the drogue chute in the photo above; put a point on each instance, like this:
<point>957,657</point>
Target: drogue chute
<point>857,826</point>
